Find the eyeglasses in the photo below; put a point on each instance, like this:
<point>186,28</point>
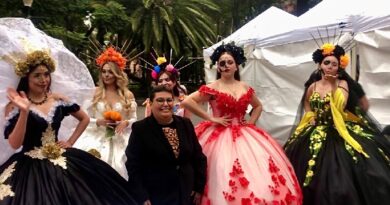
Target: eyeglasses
<point>327,62</point>
<point>164,79</point>
<point>224,63</point>
<point>161,101</point>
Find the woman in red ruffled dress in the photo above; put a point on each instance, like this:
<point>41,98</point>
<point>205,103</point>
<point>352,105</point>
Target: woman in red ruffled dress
<point>245,165</point>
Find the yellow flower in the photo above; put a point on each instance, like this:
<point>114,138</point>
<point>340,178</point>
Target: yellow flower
<point>161,60</point>
<point>327,49</point>
<point>317,145</point>
<point>309,173</point>
<point>312,162</point>
<point>344,60</point>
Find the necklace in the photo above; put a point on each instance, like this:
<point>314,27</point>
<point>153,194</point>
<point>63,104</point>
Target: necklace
<point>40,102</point>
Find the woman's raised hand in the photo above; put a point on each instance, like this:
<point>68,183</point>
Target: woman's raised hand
<point>19,99</point>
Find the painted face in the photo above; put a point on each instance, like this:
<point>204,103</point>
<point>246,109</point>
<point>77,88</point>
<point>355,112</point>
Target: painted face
<point>108,76</point>
<point>227,64</point>
<point>330,65</point>
<point>162,105</point>
<point>39,79</point>
<point>166,81</point>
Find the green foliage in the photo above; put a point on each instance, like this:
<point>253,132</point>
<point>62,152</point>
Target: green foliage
<point>174,24</point>
<point>184,25</point>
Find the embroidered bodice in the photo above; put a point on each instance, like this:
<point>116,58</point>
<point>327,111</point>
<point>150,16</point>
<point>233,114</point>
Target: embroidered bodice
<point>321,108</point>
<point>223,104</point>
<point>37,122</point>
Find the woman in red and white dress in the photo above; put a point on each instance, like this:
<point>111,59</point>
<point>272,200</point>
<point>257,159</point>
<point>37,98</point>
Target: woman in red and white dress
<point>245,165</point>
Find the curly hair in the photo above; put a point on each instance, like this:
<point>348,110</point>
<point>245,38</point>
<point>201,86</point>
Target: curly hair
<point>34,59</point>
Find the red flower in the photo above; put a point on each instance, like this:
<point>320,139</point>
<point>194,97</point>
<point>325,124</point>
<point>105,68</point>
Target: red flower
<point>232,183</point>
<point>282,180</point>
<point>246,201</point>
<point>243,181</point>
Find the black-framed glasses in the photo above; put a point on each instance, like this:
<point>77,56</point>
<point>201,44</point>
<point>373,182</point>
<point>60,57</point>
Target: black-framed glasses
<point>224,63</point>
<point>161,101</point>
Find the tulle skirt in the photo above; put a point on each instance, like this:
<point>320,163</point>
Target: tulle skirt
<point>246,166</point>
<point>338,174</point>
<point>81,179</point>
<point>110,149</point>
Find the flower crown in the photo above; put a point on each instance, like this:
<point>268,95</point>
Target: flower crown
<point>34,59</point>
<point>111,55</point>
<point>162,64</point>
<point>329,49</point>
<point>237,53</point>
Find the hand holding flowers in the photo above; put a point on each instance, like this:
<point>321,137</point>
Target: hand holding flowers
<point>112,120</point>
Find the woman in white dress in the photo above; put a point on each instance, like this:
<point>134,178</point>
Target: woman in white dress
<point>108,138</point>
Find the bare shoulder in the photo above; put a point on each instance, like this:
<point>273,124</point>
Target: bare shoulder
<point>310,89</point>
<point>244,85</point>
<point>343,85</point>
<point>214,85</point>
<point>58,96</point>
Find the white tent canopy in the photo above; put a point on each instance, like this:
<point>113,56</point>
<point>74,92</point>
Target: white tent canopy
<point>280,61</point>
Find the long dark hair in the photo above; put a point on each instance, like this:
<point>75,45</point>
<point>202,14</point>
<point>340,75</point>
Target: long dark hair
<point>354,94</point>
<point>23,83</point>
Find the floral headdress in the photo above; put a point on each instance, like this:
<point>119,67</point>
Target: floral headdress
<point>111,55</point>
<point>329,49</point>
<point>32,60</point>
<point>333,49</point>
<point>162,64</point>
<point>237,53</point>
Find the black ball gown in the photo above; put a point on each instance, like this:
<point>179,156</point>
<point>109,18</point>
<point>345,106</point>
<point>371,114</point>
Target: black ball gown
<point>44,173</point>
<point>340,158</point>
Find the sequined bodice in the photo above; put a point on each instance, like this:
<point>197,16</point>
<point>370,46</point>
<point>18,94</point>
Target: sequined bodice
<point>223,104</point>
<point>321,108</point>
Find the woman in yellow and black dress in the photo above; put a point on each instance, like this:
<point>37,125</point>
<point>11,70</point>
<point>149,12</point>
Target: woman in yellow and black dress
<point>337,151</point>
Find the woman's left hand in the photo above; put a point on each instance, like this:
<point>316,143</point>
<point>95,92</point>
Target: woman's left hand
<point>64,144</point>
<point>119,129</point>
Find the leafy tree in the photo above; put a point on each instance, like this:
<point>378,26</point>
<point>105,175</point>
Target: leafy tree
<point>179,24</point>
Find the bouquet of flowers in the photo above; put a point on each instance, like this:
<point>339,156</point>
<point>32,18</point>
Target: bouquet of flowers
<point>113,117</point>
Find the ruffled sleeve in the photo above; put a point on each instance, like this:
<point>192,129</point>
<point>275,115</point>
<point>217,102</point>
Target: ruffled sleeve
<point>207,90</point>
<point>69,107</point>
<point>10,122</point>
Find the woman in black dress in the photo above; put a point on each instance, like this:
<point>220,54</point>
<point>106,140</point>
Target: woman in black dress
<point>338,152</point>
<point>48,171</point>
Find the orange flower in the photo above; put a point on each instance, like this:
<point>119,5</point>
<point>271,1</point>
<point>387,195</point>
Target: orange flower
<point>344,60</point>
<point>112,115</point>
<point>111,55</point>
<point>327,49</point>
